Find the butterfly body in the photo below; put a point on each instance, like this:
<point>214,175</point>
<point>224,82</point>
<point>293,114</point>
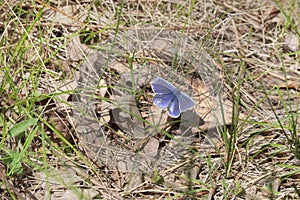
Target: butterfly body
<point>167,96</point>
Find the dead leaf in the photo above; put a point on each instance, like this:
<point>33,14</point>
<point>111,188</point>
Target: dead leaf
<point>127,116</point>
<point>121,68</point>
<point>63,89</point>
<point>133,180</point>
<point>291,42</point>
<point>66,14</point>
<point>76,51</point>
<point>151,148</point>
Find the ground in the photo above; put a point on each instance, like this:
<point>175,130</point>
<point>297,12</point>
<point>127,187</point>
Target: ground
<point>77,114</point>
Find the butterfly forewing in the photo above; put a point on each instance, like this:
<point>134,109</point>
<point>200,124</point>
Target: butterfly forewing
<point>185,102</point>
<point>160,86</point>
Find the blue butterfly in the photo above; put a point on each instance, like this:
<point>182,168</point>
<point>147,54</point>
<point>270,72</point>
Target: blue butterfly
<point>168,96</point>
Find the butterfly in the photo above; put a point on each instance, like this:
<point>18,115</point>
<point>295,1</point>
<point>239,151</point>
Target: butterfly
<point>168,96</point>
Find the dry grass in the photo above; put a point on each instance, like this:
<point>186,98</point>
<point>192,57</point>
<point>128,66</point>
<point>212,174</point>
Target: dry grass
<point>246,53</point>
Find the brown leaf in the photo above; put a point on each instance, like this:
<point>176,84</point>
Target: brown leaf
<point>291,42</point>
<point>151,148</point>
<point>66,14</point>
<point>77,51</point>
<point>63,89</point>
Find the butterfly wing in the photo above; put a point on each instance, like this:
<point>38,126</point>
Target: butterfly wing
<point>161,86</point>
<point>162,101</point>
<point>168,96</point>
<point>185,102</point>
<point>164,92</point>
<point>174,110</point>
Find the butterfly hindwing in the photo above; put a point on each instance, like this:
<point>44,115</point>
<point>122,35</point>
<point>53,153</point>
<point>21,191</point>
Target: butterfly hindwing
<point>162,101</point>
<point>174,110</point>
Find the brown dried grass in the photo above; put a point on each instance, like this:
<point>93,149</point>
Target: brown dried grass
<point>254,46</point>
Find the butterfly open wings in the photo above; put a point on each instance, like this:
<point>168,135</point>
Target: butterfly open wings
<point>168,96</point>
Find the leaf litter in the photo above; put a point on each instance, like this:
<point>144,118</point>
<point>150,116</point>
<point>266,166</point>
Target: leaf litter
<point>113,128</point>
